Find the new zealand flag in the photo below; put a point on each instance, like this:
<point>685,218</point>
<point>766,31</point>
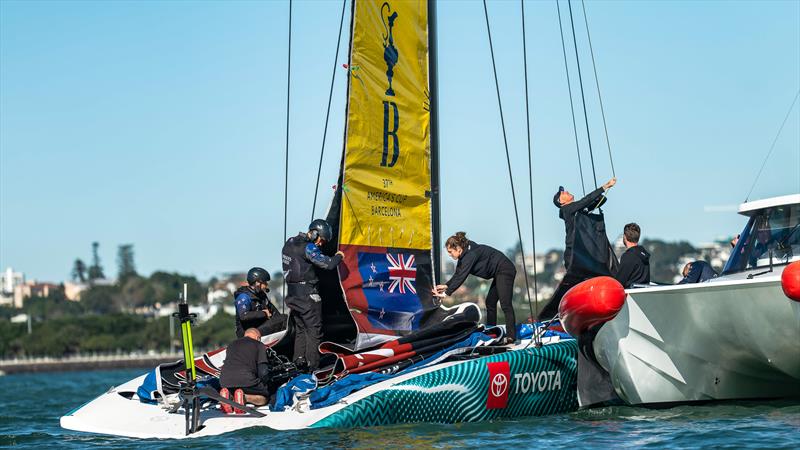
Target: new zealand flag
<point>387,290</point>
<point>389,285</point>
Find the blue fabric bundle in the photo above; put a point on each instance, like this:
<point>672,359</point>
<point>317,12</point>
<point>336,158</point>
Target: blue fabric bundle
<point>525,331</point>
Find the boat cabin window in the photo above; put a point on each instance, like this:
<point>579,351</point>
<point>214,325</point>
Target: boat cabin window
<point>772,231</point>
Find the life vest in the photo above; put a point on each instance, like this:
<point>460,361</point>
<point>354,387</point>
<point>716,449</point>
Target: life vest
<point>296,267</point>
<point>257,303</point>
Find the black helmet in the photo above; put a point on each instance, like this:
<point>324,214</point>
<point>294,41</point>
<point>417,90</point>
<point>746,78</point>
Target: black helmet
<point>320,228</point>
<point>257,274</point>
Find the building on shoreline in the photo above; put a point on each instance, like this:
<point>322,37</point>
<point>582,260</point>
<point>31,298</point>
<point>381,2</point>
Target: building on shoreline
<point>9,282</point>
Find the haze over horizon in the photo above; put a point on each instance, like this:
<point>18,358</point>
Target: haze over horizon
<point>161,124</point>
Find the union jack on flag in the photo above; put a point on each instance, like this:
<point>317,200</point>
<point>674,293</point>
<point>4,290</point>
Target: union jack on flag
<point>402,273</point>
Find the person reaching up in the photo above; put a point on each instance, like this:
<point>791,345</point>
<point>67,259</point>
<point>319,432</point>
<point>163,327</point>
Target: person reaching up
<point>577,265</point>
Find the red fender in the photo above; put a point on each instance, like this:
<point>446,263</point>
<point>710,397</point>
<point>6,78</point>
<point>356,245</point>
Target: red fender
<point>790,281</point>
<point>589,303</point>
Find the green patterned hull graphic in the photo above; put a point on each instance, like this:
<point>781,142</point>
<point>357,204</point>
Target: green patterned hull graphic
<point>529,382</point>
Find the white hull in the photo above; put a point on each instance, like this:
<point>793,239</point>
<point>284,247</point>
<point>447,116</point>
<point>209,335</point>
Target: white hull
<point>731,338</point>
<point>116,415</point>
<point>539,382</point>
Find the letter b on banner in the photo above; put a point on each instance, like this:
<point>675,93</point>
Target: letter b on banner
<point>387,132</point>
<point>499,384</point>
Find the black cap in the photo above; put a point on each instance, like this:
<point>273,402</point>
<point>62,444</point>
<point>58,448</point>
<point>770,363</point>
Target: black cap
<point>557,197</point>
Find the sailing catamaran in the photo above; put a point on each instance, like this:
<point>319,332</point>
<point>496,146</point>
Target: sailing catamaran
<point>399,355</point>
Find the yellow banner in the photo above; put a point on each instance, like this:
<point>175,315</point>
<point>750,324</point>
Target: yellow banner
<point>386,186</point>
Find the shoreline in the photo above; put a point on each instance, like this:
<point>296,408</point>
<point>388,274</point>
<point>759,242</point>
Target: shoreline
<point>79,363</point>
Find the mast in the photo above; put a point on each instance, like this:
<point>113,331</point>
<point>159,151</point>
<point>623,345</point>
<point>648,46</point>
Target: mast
<point>433,82</point>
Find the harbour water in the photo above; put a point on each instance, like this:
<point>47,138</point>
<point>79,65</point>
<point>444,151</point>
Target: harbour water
<point>32,404</point>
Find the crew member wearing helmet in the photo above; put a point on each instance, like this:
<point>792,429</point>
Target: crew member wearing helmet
<point>253,308</point>
<point>300,254</point>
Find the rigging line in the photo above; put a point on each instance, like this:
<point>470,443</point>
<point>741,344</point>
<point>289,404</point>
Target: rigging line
<point>530,165</point>
<point>571,102</point>
<point>328,114</point>
<point>772,147</point>
<point>508,155</point>
<point>286,164</point>
<point>583,98</point>
<point>597,83</point>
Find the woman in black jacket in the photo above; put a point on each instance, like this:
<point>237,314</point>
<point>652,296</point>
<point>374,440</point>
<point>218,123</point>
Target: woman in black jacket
<point>487,263</point>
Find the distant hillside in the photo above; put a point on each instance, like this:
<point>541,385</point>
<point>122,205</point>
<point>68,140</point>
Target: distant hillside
<point>665,258</point>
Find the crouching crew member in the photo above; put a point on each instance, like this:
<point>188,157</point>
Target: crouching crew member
<point>245,365</point>
<point>253,308</point>
<point>483,262</point>
<point>300,254</point>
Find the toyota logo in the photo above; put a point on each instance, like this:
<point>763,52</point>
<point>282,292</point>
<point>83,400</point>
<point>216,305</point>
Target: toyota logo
<point>499,385</point>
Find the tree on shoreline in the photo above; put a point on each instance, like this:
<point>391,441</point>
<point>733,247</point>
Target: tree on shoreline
<point>126,267</point>
<point>95,270</point>
<point>79,271</point>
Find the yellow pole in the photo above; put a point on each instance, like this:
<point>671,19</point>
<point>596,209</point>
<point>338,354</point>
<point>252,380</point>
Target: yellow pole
<point>191,350</point>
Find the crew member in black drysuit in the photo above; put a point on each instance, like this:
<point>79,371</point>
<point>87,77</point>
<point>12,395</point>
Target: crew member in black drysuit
<point>634,264</point>
<point>568,209</point>
<point>253,308</point>
<point>483,262</point>
<point>300,254</point>
<point>246,364</point>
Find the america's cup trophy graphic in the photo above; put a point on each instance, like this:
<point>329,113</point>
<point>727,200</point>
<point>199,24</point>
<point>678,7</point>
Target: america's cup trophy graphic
<point>389,50</point>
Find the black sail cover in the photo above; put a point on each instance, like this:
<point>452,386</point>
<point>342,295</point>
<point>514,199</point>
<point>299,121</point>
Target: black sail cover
<point>592,254</point>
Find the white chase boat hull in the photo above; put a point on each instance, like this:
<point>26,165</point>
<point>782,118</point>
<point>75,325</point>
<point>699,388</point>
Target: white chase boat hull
<point>731,338</point>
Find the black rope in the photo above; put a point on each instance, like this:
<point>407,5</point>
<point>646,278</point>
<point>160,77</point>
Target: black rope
<point>508,155</point>
<point>328,114</point>
<point>772,147</point>
<point>597,83</point>
<point>583,98</point>
<point>571,101</point>
<point>530,166</point>
<point>286,165</point>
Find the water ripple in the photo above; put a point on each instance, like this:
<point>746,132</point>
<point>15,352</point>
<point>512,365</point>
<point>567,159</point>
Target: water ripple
<point>32,404</point>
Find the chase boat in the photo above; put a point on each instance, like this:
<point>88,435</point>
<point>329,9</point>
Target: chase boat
<point>733,337</point>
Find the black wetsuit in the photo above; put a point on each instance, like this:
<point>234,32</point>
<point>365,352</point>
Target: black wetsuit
<point>300,255</point>
<point>634,267</point>
<point>567,213</point>
<point>489,263</point>
<point>244,367</point>
<point>250,307</point>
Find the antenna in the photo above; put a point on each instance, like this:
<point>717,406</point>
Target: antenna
<point>772,147</point>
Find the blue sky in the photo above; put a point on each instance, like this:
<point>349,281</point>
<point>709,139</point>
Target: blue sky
<point>161,124</point>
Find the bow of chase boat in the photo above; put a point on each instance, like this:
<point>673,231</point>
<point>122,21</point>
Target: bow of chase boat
<point>734,337</point>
